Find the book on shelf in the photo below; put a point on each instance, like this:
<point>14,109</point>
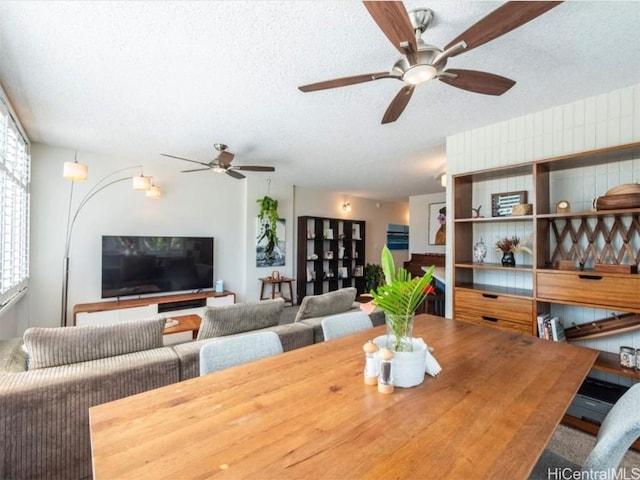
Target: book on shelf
<point>551,328</point>
<point>542,321</point>
<point>557,330</point>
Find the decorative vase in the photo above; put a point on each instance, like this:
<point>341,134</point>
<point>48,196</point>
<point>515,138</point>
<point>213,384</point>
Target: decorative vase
<point>480,251</point>
<point>399,332</point>
<point>508,260</point>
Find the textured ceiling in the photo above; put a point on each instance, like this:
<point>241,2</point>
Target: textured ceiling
<point>138,79</point>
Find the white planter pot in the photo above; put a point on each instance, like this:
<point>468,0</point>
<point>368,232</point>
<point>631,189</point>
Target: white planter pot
<point>407,368</point>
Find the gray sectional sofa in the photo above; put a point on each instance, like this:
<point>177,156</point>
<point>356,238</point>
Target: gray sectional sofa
<point>45,394</point>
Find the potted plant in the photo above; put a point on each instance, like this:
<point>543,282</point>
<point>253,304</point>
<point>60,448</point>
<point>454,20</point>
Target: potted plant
<point>373,276</point>
<point>508,246</point>
<point>268,216</point>
<point>399,297</point>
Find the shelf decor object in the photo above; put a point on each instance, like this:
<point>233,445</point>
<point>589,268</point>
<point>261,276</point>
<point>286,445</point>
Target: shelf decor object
<point>508,246</point>
<point>77,172</point>
<point>563,207</point>
<point>622,196</point>
<point>522,209</point>
<point>502,203</point>
<point>479,251</point>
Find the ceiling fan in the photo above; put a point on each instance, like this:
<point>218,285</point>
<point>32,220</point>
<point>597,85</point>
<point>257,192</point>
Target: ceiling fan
<point>421,62</point>
<point>222,163</point>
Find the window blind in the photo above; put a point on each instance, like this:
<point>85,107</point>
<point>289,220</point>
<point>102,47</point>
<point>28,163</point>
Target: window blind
<point>14,206</point>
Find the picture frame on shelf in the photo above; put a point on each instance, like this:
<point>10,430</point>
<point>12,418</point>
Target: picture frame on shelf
<point>502,203</point>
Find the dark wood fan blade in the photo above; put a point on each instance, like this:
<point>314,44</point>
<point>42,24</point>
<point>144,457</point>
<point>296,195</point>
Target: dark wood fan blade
<point>341,82</point>
<point>195,170</point>
<point>398,104</point>
<point>478,82</point>
<point>255,168</point>
<point>394,22</point>
<point>234,174</point>
<point>225,158</point>
<point>502,20</point>
<point>185,159</point>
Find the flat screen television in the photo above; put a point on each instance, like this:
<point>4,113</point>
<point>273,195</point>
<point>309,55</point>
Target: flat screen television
<point>134,265</point>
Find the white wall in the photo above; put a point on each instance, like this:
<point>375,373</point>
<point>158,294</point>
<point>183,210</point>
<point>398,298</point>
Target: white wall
<point>196,204</point>
<point>419,225</point>
<point>609,119</point>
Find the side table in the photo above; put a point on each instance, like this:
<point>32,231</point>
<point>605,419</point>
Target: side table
<point>186,323</point>
<point>276,286</point>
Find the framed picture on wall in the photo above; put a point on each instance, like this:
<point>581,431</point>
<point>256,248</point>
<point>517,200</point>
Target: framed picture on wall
<point>437,223</point>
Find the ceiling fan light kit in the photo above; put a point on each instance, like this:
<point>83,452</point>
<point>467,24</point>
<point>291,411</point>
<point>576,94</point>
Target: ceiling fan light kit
<point>421,62</point>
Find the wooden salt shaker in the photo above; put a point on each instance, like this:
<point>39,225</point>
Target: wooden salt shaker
<point>370,364</point>
<point>385,381</point>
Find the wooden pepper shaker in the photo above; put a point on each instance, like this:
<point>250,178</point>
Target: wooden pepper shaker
<point>385,380</point>
<point>370,364</point>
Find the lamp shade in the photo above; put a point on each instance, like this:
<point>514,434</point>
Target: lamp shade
<point>74,171</point>
<point>443,180</point>
<point>142,183</point>
<point>154,192</point>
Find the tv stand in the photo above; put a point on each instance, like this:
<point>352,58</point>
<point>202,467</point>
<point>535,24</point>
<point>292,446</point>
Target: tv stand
<point>133,308</point>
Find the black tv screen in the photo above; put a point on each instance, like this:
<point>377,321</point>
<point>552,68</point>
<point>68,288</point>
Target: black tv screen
<point>134,265</point>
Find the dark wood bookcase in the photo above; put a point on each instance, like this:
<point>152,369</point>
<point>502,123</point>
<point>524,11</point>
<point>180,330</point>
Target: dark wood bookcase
<point>331,255</point>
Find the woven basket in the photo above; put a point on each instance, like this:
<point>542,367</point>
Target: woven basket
<point>616,202</point>
<point>624,188</point>
<point>522,209</point>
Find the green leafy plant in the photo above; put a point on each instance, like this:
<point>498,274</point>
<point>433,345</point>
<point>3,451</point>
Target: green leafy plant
<point>268,216</point>
<point>373,276</point>
<point>400,296</point>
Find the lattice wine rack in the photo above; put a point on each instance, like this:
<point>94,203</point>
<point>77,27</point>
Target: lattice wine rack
<point>612,239</point>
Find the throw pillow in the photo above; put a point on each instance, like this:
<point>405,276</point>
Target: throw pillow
<point>338,301</point>
<point>239,318</point>
<point>50,347</point>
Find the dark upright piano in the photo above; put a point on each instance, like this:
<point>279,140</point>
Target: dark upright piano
<point>434,304</point>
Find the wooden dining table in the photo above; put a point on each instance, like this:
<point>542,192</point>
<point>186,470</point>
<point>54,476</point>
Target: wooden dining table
<point>307,414</point>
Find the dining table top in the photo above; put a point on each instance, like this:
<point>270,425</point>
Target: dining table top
<point>307,413</point>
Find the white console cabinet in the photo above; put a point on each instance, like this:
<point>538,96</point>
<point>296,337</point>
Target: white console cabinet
<point>101,313</point>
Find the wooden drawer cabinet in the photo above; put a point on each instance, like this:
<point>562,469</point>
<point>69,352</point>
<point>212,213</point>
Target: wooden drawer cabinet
<point>496,310</point>
<point>616,291</point>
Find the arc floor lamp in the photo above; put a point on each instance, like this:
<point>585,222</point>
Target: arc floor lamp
<point>77,172</point>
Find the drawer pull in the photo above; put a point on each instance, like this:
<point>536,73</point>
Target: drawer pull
<point>590,277</point>
<point>489,319</point>
<point>488,295</point>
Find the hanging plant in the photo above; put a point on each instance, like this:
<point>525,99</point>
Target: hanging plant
<point>268,217</point>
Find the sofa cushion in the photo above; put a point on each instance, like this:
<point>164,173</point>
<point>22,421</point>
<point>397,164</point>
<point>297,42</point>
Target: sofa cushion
<point>51,347</point>
<point>240,317</point>
<point>330,303</point>
<point>13,358</point>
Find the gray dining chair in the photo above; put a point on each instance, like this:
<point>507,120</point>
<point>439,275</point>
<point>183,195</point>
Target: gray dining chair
<point>228,352</point>
<point>344,324</point>
<point>619,429</point>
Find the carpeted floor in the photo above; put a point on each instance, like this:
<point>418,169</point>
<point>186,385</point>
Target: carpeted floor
<point>575,445</point>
